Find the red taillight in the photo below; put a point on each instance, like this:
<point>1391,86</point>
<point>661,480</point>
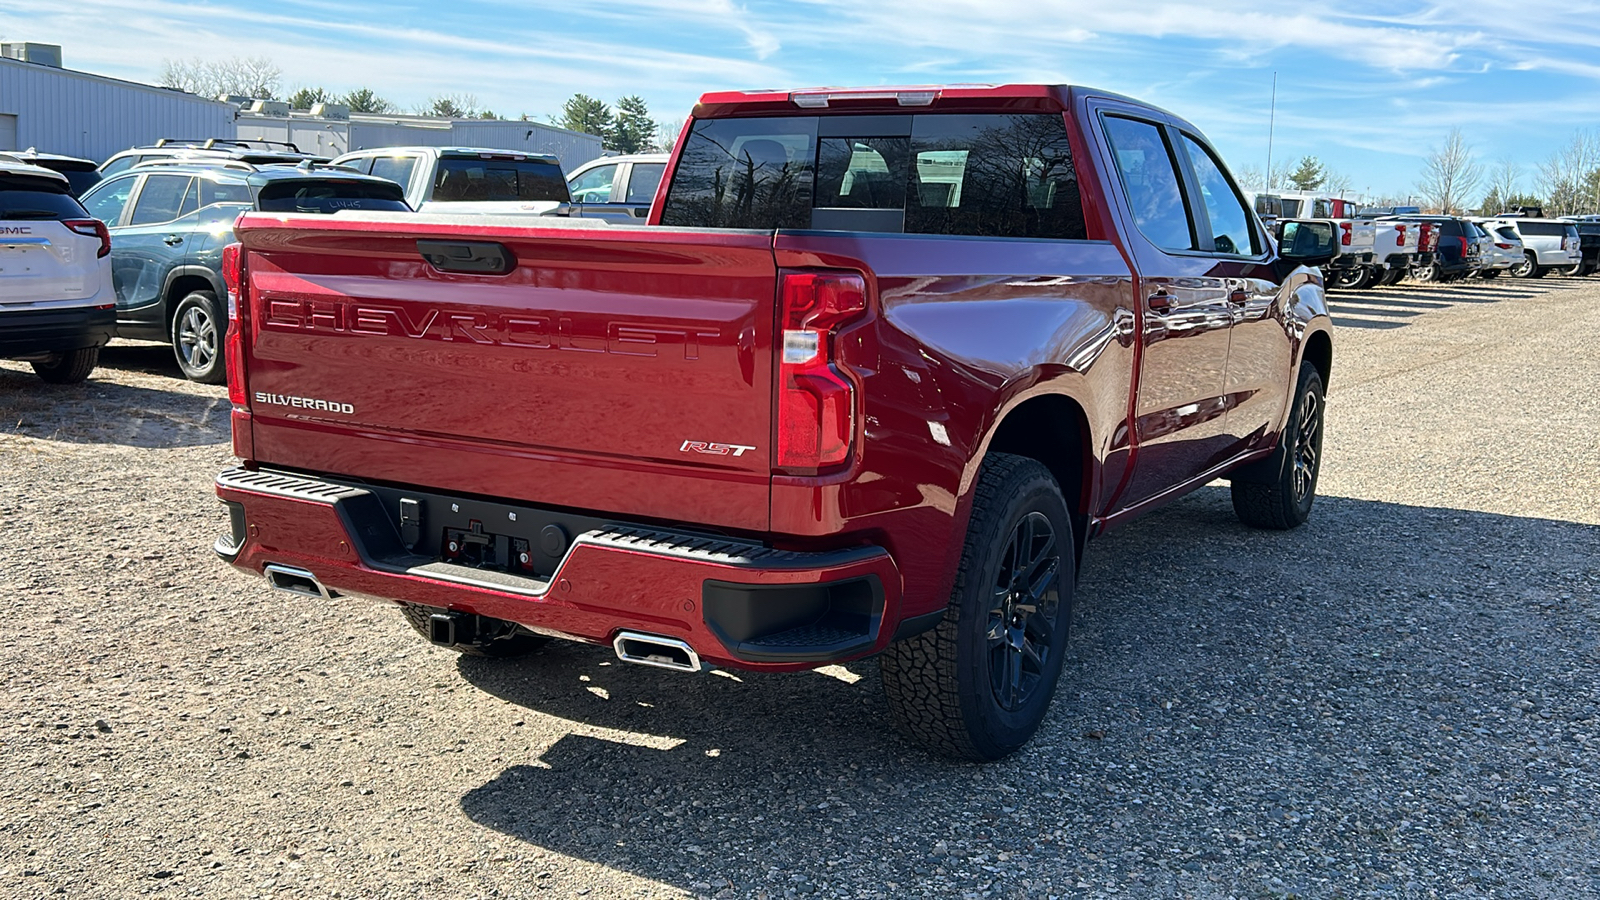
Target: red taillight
<point>233,275</point>
<point>1346,227</point>
<point>816,398</point>
<point>1402,241</point>
<point>1463,247</point>
<point>1427,238</point>
<point>1503,246</point>
<point>92,228</point>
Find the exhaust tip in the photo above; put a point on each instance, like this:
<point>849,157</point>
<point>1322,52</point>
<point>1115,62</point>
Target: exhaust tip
<point>654,650</point>
<point>291,580</point>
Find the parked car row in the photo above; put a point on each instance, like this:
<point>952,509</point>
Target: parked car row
<point>1383,245</point>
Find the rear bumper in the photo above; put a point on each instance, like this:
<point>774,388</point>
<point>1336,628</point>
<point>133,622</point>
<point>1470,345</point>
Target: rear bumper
<point>35,332</point>
<point>735,602</point>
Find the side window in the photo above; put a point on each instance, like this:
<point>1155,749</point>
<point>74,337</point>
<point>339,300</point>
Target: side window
<point>1231,233</point>
<point>106,202</point>
<point>191,199</point>
<point>214,192</point>
<point>362,164</point>
<point>121,165</point>
<point>594,186</point>
<point>1150,178</point>
<point>397,169</point>
<point>161,199</point>
<point>644,180</point>
<point>744,173</point>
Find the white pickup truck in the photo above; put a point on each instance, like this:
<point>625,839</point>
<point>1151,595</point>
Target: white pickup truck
<point>1370,252</point>
<point>470,180</point>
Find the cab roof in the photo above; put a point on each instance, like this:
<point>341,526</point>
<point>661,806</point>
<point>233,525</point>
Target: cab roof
<point>910,98</point>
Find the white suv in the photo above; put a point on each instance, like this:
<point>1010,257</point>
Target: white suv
<point>57,305</point>
<point>469,180</point>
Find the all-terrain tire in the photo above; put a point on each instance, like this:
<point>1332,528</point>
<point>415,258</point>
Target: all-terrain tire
<point>1277,492</point>
<point>519,643</point>
<point>1393,276</point>
<point>953,688</point>
<point>69,367</point>
<point>198,326</point>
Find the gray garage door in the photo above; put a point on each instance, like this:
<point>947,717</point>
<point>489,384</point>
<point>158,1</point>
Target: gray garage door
<point>8,132</point>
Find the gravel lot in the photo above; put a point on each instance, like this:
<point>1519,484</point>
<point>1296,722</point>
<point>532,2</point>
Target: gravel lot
<point>1401,699</point>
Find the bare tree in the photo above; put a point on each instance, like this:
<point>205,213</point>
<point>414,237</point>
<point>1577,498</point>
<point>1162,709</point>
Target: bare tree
<point>1335,183</point>
<point>1504,179</point>
<point>253,76</point>
<point>1565,178</point>
<point>1450,174</point>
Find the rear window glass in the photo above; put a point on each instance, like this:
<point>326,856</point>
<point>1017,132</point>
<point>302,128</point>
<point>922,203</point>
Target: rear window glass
<point>988,175</point>
<point>81,179</point>
<point>212,192</point>
<point>1541,229</point>
<point>37,198</point>
<point>1589,229</point>
<point>330,196</point>
<point>485,180</point>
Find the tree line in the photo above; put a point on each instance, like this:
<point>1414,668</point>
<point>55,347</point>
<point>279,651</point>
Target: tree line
<point>1454,180</point>
<point>627,128</point>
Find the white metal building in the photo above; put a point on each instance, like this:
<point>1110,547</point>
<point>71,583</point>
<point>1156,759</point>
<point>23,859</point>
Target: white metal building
<point>335,131</point>
<point>57,110</point>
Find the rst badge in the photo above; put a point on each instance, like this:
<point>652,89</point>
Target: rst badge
<point>713,449</point>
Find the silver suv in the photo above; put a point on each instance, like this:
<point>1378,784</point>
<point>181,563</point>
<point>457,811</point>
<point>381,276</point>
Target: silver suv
<point>1546,244</point>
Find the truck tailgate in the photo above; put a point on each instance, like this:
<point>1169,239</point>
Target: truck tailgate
<point>621,371</point>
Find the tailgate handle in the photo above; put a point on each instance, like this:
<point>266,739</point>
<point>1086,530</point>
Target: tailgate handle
<point>471,257</point>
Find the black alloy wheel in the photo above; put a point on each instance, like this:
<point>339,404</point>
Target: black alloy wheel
<point>977,686</point>
<point>1277,492</point>
<point>1022,619</point>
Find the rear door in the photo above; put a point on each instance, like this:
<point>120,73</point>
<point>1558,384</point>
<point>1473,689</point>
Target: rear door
<point>609,370</point>
<point>151,242</point>
<point>42,261</point>
<point>1181,403</point>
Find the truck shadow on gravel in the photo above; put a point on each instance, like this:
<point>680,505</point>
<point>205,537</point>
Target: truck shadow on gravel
<point>101,411</point>
<point>1388,690</point>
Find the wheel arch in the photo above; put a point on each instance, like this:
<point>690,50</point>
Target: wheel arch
<point>1319,352</point>
<point>183,281</point>
<point>1053,429</point>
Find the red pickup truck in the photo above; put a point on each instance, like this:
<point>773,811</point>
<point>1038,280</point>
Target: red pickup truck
<point>878,366</point>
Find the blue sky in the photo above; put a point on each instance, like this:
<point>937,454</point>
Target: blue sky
<point>1369,89</point>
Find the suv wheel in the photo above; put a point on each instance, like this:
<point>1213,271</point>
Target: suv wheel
<point>70,367</point>
<point>1277,492</point>
<point>197,331</point>
<point>977,686</point>
<point>1573,270</point>
<point>1430,273</point>
<point>1524,269</point>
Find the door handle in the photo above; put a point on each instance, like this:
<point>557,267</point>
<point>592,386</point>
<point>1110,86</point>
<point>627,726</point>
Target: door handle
<point>1161,301</point>
<point>172,240</point>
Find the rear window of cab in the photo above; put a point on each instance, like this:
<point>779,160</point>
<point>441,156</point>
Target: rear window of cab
<point>991,175</point>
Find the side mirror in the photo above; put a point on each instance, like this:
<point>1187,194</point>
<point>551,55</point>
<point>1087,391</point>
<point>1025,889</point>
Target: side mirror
<point>1307,243</point>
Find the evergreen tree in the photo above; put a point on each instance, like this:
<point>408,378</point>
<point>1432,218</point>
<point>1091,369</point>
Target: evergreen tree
<point>633,131</point>
<point>363,100</point>
<point>1309,175</point>
<point>307,97</point>
<point>586,114</point>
